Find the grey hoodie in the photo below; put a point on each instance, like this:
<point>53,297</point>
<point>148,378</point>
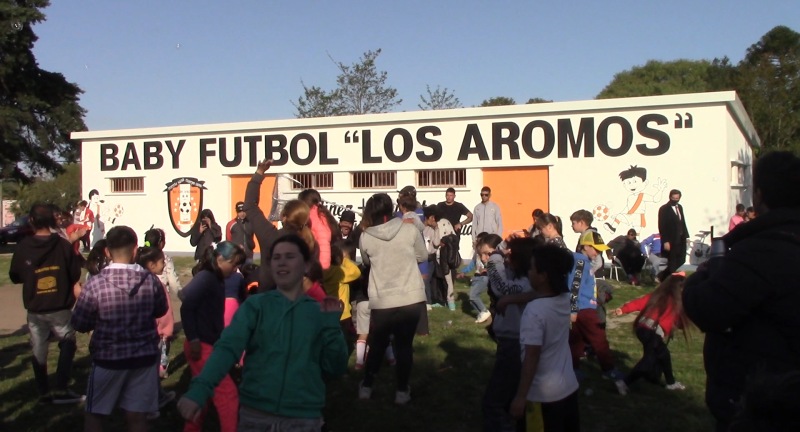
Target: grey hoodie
<point>393,250</point>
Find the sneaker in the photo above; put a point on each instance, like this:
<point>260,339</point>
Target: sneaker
<point>676,386</point>
<point>67,397</point>
<point>429,307</point>
<point>402,398</point>
<point>364,393</point>
<point>165,398</point>
<point>622,388</point>
<point>451,306</point>
<point>483,316</point>
<point>359,366</point>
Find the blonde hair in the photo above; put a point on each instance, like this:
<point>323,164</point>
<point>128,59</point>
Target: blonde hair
<point>295,217</point>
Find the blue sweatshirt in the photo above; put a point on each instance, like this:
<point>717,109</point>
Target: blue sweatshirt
<point>583,292</point>
<point>652,243</point>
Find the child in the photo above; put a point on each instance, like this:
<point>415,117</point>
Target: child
<point>479,283</point>
<point>97,260</point>
<point>152,260</point>
<point>120,305</point>
<point>292,342</point>
<point>338,277</point>
<point>547,384</point>
<point>312,282</point>
<point>659,312</point>
<point>587,327</point>
<point>155,237</point>
<point>505,281</point>
<point>202,315</point>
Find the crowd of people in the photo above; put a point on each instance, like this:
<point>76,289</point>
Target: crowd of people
<point>327,288</point>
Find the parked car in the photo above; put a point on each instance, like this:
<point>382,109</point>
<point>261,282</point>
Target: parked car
<point>15,231</point>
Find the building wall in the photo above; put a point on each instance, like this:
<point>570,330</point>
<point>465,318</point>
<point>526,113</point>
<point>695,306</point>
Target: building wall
<point>559,157</point>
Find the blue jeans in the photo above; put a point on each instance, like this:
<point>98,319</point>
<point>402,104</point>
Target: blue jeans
<point>478,286</point>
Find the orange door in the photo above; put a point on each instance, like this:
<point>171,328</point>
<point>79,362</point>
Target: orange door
<point>518,191</point>
<point>238,186</point>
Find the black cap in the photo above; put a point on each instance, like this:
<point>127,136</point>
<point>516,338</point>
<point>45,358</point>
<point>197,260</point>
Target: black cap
<point>347,216</point>
<point>408,190</point>
<point>239,206</point>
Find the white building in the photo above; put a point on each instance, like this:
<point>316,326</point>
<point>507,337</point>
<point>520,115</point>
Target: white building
<point>616,157</point>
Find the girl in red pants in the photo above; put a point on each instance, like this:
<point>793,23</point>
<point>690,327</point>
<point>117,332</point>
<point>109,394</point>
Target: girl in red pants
<point>202,314</point>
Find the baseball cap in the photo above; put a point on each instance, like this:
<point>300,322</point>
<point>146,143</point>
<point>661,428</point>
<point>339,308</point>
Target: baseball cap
<point>408,190</point>
<point>347,216</point>
<point>239,206</point>
<point>593,239</point>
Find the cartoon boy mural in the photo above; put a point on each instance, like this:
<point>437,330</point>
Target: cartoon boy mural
<point>634,180</point>
<point>105,216</point>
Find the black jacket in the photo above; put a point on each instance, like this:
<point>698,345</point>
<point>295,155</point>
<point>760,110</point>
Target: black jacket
<point>670,226</point>
<point>203,240</point>
<point>48,268</point>
<point>748,303</point>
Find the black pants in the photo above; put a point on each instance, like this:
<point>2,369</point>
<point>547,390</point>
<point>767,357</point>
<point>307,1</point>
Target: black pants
<point>677,255</point>
<point>502,387</point>
<point>655,358</point>
<point>558,416</point>
<point>402,323</point>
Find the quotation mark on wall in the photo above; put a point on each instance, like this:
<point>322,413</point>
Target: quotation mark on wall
<point>681,123</point>
<point>347,137</point>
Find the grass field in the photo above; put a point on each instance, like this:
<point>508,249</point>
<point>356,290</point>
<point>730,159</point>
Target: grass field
<point>452,366</point>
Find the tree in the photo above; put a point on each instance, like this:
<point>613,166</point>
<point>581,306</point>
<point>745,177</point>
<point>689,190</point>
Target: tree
<point>360,89</point>
<point>62,190</point>
<point>498,101</point>
<point>38,109</point>
<point>660,78</point>
<point>768,81</point>
<point>537,100</point>
<point>439,99</point>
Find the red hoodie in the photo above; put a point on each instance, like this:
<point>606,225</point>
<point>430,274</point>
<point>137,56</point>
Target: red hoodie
<point>667,320</point>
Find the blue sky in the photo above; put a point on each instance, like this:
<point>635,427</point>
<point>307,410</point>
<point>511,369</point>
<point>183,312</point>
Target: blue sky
<point>150,63</point>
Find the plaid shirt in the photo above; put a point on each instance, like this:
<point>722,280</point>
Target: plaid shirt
<point>121,304</point>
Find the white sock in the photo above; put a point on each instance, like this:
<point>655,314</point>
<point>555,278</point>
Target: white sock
<point>361,351</point>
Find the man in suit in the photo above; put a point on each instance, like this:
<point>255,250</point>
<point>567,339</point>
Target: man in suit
<point>673,231</point>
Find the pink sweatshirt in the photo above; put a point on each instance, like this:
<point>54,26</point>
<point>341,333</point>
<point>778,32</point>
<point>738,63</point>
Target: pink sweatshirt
<point>165,325</point>
<point>322,234</point>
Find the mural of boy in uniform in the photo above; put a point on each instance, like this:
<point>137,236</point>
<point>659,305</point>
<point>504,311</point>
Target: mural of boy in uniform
<point>634,180</point>
<point>95,206</point>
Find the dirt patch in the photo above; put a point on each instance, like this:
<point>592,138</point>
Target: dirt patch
<point>613,321</point>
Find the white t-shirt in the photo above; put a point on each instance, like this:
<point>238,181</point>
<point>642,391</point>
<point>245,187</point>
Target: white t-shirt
<point>545,322</point>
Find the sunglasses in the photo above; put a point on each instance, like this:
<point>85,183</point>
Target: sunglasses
<point>484,194</point>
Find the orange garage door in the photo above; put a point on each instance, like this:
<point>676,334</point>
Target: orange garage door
<point>518,191</point>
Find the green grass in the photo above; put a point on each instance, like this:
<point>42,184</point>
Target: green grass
<point>452,366</point>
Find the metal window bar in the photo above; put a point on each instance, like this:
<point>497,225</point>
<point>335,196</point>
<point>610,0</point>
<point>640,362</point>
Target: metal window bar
<point>127,184</point>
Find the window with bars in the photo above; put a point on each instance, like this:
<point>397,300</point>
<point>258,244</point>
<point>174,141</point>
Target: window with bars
<point>312,181</point>
<point>127,185</point>
<point>374,179</point>
<point>442,178</point>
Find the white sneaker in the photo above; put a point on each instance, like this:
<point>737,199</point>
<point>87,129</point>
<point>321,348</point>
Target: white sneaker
<point>429,307</point>
<point>402,398</point>
<point>676,386</point>
<point>622,388</point>
<point>483,316</point>
<point>364,392</point>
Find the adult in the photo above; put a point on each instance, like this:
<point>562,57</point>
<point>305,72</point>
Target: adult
<point>347,221</point>
<point>651,248</point>
<point>672,227</point>
<point>487,217</point>
<point>627,250</point>
<point>240,231</point>
<point>745,301</point>
<point>83,216</point>
<point>204,233</point>
<point>737,217</point>
<point>452,210</point>
<point>49,270</point>
<point>392,248</point>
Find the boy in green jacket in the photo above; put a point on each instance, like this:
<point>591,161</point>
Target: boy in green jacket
<point>290,341</point>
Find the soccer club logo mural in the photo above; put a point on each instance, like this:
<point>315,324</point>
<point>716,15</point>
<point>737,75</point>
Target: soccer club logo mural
<point>184,201</point>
